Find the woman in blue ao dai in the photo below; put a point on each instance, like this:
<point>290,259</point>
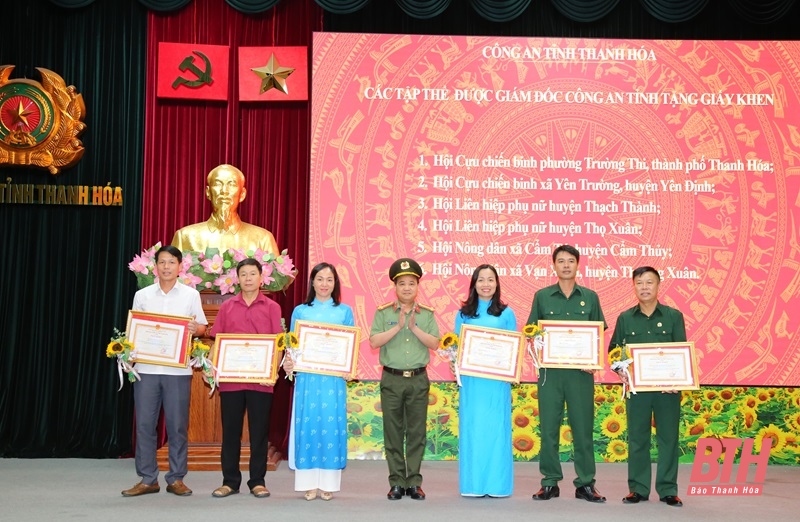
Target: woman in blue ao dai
<point>318,434</point>
<point>486,463</point>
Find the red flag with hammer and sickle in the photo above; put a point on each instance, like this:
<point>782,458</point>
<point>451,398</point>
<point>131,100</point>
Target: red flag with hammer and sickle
<point>193,71</point>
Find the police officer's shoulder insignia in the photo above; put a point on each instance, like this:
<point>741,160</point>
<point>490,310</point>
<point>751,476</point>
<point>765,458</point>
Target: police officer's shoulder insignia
<point>384,306</point>
<point>426,307</point>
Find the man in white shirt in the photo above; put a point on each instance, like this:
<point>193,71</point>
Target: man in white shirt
<point>162,385</point>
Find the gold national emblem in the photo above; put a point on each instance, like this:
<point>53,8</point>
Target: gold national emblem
<point>405,265</point>
<point>40,122</point>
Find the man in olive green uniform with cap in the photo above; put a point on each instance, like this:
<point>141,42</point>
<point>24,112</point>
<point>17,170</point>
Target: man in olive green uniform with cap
<point>405,331</point>
<point>651,322</point>
<point>566,301</point>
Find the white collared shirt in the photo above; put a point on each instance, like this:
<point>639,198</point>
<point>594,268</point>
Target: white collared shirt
<point>180,300</point>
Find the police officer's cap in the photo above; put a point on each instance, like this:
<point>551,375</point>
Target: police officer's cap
<point>404,266</point>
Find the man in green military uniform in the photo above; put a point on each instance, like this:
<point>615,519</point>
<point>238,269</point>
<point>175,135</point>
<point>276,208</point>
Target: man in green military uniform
<point>566,301</point>
<point>651,322</point>
<point>405,331</point>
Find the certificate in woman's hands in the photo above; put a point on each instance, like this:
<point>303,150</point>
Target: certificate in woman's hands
<point>329,349</point>
<point>159,339</point>
<point>572,344</point>
<point>664,367</point>
<point>249,358</point>
<point>490,353</point>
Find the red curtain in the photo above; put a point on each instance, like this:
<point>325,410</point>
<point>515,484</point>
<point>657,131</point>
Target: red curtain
<point>269,142</point>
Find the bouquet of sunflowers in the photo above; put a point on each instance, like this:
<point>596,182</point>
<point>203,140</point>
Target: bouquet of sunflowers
<point>120,347</point>
<point>448,347</point>
<point>535,335</point>
<point>288,343</point>
<point>619,359</point>
<point>200,360</point>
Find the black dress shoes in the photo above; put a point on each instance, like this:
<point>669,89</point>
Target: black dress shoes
<point>546,493</point>
<point>672,500</point>
<point>395,493</point>
<point>589,493</point>
<point>416,493</point>
<point>634,498</point>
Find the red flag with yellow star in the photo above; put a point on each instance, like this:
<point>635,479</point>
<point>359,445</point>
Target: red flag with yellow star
<point>273,73</point>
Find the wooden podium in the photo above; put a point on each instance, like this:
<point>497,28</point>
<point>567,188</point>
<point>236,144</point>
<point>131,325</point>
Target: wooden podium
<point>205,421</point>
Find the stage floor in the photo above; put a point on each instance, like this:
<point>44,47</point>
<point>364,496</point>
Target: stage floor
<point>81,489</point>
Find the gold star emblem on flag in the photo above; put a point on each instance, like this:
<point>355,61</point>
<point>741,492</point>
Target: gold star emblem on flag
<point>273,76</point>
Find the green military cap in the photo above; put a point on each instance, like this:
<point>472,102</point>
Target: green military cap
<point>404,266</point>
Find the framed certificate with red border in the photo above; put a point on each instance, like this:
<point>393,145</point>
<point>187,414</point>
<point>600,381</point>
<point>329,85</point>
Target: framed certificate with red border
<point>160,339</point>
<point>490,353</point>
<point>572,344</point>
<point>329,349</point>
<point>664,367</point>
<point>246,358</point>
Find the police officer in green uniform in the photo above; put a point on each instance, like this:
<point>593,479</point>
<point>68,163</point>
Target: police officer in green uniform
<point>404,330</point>
<point>651,322</point>
<point>566,301</point>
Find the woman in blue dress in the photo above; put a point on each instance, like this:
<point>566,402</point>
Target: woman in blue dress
<point>484,410</point>
<point>318,434</point>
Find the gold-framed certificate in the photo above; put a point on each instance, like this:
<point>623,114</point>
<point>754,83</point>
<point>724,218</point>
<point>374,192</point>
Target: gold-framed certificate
<point>329,349</point>
<point>572,344</point>
<point>251,358</point>
<point>664,367</point>
<point>160,339</point>
<point>490,353</point>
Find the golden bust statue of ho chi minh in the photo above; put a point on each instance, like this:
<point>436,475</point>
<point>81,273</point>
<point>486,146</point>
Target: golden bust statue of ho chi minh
<point>224,230</point>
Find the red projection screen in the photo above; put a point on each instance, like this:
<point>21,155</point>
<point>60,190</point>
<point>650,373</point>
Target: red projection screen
<point>459,151</point>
